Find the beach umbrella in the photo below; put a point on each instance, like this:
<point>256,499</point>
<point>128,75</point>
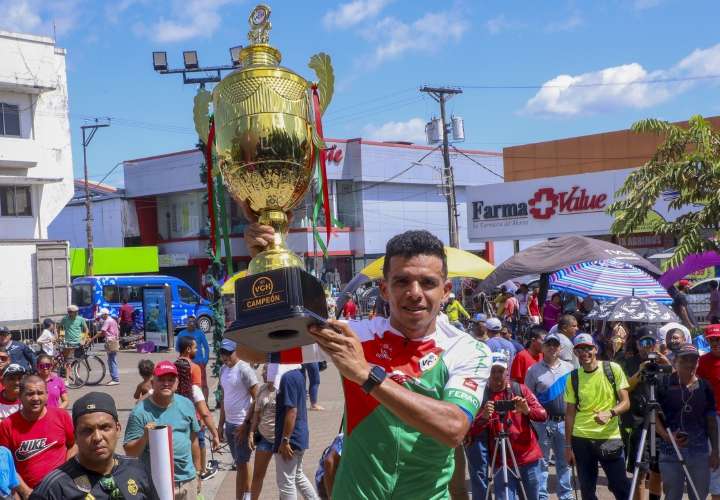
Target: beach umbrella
<point>606,280</point>
<point>632,309</point>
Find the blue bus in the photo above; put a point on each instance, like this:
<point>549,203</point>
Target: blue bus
<point>92,293</point>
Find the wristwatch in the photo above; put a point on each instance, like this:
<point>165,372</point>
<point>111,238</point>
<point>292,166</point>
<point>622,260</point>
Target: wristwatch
<point>377,375</point>
<point>612,412</point>
<point>285,439</point>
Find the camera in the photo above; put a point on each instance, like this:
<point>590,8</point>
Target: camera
<point>504,405</point>
<point>653,368</point>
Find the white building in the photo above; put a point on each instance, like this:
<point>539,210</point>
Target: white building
<point>36,176</point>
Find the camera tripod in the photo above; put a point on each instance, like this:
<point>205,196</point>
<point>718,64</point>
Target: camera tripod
<point>649,426</point>
<point>502,443</point>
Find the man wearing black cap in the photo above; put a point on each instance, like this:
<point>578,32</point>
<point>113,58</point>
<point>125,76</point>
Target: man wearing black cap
<point>96,471</point>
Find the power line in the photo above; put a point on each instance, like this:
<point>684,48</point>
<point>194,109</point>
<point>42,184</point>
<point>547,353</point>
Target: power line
<point>477,162</point>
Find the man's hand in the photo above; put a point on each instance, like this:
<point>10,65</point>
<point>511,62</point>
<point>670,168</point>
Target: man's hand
<point>569,456</point>
<point>681,438</point>
<point>344,348</point>
<point>714,460</point>
<point>257,236</point>
<point>521,405</point>
<point>216,440</point>
<point>148,427</point>
<point>603,417</point>
<point>199,484</point>
<point>286,451</point>
<point>488,410</point>
<point>251,441</point>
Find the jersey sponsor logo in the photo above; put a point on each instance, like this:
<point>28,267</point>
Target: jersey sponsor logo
<point>385,352</point>
<point>132,487</point>
<point>83,483</point>
<point>470,384</point>
<point>31,448</point>
<point>428,361</point>
<point>463,396</point>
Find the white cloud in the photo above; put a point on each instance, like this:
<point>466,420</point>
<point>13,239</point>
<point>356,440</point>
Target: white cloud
<point>428,34</point>
<point>352,13</point>
<point>39,17</point>
<point>412,130</point>
<point>568,24</point>
<point>190,19</point>
<point>624,86</point>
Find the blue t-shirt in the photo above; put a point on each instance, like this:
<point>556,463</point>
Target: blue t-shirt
<point>180,415</point>
<point>203,348</point>
<point>8,476</point>
<point>292,394</point>
<point>687,411</point>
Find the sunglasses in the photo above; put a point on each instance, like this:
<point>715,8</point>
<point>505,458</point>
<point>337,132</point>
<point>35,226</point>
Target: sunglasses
<point>647,342</point>
<point>584,348</point>
<point>44,366</point>
<point>108,485</point>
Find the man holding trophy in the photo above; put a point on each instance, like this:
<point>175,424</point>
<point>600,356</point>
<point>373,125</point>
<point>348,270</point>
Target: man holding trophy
<point>412,384</point>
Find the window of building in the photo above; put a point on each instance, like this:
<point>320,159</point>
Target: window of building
<point>82,295</point>
<point>15,201</point>
<point>9,119</point>
<point>111,294</point>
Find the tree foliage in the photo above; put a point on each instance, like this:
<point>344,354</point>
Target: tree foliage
<point>687,164</point>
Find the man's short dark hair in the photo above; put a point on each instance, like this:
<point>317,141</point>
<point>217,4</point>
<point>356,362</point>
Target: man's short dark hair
<point>535,332</point>
<point>713,284</point>
<point>565,321</point>
<point>146,367</point>
<point>30,379</point>
<point>185,343</point>
<point>412,243</point>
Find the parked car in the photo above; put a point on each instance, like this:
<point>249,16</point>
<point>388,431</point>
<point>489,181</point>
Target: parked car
<point>699,299</point>
<point>91,293</point>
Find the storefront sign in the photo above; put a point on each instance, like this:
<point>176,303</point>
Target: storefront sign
<point>173,259</point>
<point>545,208</point>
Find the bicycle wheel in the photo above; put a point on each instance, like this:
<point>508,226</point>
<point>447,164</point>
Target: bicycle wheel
<point>91,370</point>
<point>74,381</point>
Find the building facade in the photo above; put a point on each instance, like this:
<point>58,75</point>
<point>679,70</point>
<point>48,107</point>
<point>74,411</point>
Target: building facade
<point>376,189</point>
<point>36,177</point>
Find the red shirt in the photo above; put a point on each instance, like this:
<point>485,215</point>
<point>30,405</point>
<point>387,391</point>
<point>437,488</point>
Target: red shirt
<point>709,369</point>
<point>523,439</point>
<point>350,310</point>
<point>522,363</point>
<point>37,447</point>
<point>533,308</point>
<point>126,313</point>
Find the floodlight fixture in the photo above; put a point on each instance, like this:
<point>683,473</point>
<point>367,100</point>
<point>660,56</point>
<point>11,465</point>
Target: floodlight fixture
<point>160,61</point>
<point>190,59</point>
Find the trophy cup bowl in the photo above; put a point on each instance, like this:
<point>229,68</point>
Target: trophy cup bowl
<point>266,147</point>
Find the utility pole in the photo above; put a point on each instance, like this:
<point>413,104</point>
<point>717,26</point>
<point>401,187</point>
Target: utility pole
<point>441,95</point>
<point>86,139</point>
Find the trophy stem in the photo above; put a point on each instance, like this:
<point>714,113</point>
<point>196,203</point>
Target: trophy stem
<point>278,255</point>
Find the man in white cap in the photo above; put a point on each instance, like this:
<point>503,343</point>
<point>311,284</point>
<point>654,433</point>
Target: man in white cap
<point>454,310</point>
<point>496,342</point>
<point>111,331</point>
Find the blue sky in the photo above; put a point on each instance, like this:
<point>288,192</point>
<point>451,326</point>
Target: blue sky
<point>382,51</point>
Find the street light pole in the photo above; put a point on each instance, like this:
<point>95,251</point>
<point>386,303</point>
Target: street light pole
<point>441,95</point>
<point>86,139</point>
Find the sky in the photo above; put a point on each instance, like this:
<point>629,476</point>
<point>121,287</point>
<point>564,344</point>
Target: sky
<point>530,71</point>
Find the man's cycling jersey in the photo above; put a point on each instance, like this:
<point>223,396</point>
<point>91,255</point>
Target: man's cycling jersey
<point>383,457</point>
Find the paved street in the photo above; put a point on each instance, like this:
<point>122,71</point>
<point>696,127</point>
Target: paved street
<point>323,425</point>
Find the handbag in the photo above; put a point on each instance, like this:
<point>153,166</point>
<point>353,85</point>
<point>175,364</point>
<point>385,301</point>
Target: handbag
<point>112,345</point>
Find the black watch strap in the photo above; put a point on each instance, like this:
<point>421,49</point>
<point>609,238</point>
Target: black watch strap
<point>377,375</point>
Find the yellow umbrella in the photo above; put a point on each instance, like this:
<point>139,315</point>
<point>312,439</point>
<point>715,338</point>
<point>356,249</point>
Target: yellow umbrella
<point>228,287</point>
<point>461,264</point>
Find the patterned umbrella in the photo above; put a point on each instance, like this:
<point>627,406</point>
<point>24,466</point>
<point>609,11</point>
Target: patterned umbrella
<point>632,309</point>
<point>607,280</point>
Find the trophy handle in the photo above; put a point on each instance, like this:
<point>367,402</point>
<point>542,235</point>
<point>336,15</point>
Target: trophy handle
<point>201,116</point>
<point>278,254</point>
<point>321,64</point>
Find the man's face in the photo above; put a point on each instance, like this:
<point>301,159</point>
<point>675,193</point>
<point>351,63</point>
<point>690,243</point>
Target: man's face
<point>714,346</point>
<point>686,366</point>
<point>551,350</point>
<point>5,338</point>
<point>675,339</point>
<point>4,360</point>
<point>191,324</point>
<point>96,435</point>
<point>497,378</point>
<point>586,354</point>
<point>537,342</point>
<point>415,289</point>
<point>479,330</point>
<point>12,383</point>
<point>193,350</point>
<point>34,397</point>
<point>571,329</point>
<point>72,314</point>
<point>165,385</point>
<point>225,357</point>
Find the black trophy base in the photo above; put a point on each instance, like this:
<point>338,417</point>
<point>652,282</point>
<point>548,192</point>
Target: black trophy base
<point>275,308</point>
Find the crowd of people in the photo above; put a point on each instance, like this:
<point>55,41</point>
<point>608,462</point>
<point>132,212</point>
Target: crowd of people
<point>525,389</point>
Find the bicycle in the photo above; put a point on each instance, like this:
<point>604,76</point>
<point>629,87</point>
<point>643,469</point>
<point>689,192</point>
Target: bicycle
<point>85,368</point>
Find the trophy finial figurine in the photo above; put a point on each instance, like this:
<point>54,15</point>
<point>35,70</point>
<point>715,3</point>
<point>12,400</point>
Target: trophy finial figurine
<point>260,25</point>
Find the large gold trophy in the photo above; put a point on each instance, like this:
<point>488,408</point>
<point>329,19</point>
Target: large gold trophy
<point>266,121</point>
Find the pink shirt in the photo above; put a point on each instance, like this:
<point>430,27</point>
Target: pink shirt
<point>56,388</point>
<point>110,329</point>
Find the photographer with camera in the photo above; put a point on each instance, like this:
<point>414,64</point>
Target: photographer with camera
<point>688,406</point>
<point>642,367</point>
<point>509,407</point>
<point>595,394</point>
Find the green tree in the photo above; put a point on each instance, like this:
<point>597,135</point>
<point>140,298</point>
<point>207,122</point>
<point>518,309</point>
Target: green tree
<point>686,162</point>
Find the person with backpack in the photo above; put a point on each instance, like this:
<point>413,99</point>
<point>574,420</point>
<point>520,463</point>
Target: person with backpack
<point>523,439</point>
<point>595,395</point>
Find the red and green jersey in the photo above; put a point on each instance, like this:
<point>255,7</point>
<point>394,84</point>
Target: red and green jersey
<point>382,456</point>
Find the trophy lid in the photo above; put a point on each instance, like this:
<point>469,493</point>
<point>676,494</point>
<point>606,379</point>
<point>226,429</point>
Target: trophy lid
<point>260,52</point>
